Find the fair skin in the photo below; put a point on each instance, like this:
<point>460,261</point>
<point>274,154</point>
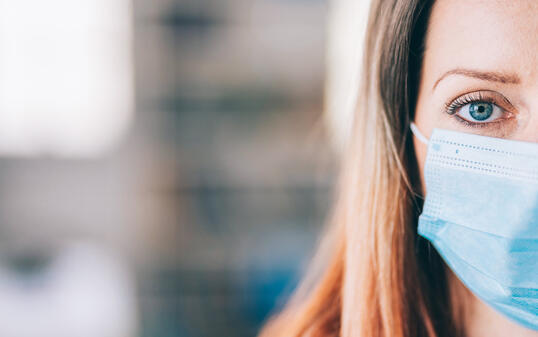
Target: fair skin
<point>486,49</point>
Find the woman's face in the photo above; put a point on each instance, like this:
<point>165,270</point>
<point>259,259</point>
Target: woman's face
<point>480,75</point>
<point>480,70</point>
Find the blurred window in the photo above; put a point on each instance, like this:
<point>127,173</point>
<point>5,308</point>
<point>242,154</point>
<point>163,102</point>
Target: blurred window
<point>65,76</point>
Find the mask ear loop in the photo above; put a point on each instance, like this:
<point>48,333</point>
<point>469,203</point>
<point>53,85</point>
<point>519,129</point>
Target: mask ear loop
<point>418,134</point>
<point>422,139</point>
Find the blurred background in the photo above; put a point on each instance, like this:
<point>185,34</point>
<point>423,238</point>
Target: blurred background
<point>165,165</point>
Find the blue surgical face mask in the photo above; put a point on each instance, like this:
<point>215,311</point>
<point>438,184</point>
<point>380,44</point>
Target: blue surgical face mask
<point>481,214</point>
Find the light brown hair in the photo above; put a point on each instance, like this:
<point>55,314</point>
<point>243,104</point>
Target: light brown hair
<point>373,275</point>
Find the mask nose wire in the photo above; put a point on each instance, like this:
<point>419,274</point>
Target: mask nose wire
<point>418,134</point>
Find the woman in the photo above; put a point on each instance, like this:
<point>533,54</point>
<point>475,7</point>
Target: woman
<point>439,240</point>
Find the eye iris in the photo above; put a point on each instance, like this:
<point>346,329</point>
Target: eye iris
<point>480,111</point>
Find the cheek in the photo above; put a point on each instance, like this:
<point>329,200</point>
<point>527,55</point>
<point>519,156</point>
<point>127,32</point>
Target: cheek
<point>420,151</point>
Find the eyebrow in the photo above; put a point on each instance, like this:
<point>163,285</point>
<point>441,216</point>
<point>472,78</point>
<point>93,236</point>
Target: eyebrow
<point>482,75</point>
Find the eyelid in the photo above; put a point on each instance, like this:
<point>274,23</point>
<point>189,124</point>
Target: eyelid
<point>480,95</point>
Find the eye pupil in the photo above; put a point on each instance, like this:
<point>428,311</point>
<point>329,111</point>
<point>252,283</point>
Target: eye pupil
<point>481,111</point>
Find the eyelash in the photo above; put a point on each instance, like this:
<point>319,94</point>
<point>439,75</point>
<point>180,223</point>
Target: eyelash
<point>453,106</point>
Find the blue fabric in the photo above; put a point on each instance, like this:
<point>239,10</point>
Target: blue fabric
<point>481,214</point>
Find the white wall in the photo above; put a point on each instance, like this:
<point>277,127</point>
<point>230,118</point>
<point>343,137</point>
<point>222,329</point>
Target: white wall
<point>347,26</point>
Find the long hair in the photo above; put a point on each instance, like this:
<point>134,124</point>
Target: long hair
<point>373,275</point>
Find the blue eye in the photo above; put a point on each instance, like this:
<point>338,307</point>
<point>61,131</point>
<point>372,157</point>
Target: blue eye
<point>480,112</point>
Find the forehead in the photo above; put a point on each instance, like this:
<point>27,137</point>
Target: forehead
<point>485,35</point>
